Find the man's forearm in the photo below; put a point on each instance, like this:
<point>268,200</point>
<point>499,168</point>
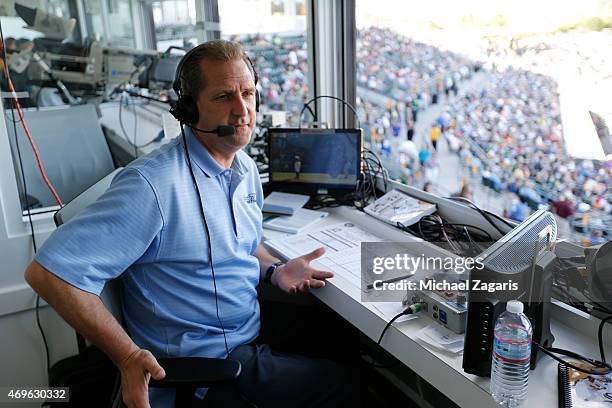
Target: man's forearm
<point>84,311</point>
<point>266,259</point>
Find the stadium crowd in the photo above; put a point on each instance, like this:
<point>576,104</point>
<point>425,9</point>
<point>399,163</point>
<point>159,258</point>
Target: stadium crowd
<point>282,66</point>
<point>510,133</point>
<point>424,78</point>
<point>404,69</point>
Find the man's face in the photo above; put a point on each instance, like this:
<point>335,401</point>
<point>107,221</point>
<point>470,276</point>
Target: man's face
<point>227,99</point>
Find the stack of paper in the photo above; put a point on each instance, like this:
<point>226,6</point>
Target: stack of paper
<point>342,243</point>
<point>295,223</point>
<point>397,207</point>
<point>284,203</point>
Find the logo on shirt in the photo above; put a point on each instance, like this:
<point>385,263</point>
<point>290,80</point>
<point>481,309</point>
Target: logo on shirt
<point>250,198</point>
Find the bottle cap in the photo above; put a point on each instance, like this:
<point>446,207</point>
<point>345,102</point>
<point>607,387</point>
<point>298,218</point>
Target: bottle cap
<point>514,306</point>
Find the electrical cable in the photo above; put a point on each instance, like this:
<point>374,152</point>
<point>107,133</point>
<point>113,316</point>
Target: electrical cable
<point>37,99</point>
<point>132,141</point>
<point>323,201</point>
<point>383,170</point>
<point>601,307</point>
<point>602,367</point>
<point>135,129</point>
<point>311,112</point>
<point>125,134</point>
<point>371,168</point>
<point>413,308</point>
<point>409,310</point>
<point>25,192</point>
<point>450,242</point>
<point>34,246</point>
<point>600,336</point>
<point>499,217</point>
<point>484,214</point>
<point>8,118</point>
<point>447,224</point>
<point>351,107</point>
<point>432,228</point>
<point>33,145</point>
<point>210,255</point>
<point>551,351</point>
<point>578,303</point>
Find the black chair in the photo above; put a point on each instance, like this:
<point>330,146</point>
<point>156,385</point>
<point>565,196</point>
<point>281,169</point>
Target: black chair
<point>184,374</point>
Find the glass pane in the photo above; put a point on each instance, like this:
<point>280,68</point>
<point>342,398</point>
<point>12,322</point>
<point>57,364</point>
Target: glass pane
<point>274,35</point>
<point>93,19</point>
<point>54,73</point>
<point>174,22</point>
<point>493,101</point>
<point>121,33</point>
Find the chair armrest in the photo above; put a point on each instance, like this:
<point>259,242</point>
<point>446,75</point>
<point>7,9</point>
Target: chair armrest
<point>196,372</point>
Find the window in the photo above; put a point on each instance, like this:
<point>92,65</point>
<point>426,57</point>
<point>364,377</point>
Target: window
<point>274,35</point>
<point>110,22</point>
<point>121,25</point>
<point>498,98</point>
<point>300,7</point>
<point>277,7</point>
<point>37,58</point>
<point>93,19</point>
<point>175,23</point>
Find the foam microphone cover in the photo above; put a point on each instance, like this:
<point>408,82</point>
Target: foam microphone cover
<point>224,130</point>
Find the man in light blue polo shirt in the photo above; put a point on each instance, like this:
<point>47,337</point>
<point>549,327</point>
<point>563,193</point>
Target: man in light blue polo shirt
<point>148,228</point>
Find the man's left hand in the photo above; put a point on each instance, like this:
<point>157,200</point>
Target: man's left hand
<point>297,274</point>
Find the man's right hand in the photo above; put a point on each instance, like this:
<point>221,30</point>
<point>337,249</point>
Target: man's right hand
<point>87,314</point>
<point>136,370</point>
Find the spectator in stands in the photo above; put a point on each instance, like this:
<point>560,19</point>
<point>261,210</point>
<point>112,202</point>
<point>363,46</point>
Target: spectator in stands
<point>518,211</point>
<point>396,129</point>
<point>415,110</point>
<point>528,194</point>
<point>435,136</point>
<point>428,187</point>
<point>566,207</point>
<point>465,191</point>
<point>424,154</point>
<point>432,167</point>
<point>596,237</point>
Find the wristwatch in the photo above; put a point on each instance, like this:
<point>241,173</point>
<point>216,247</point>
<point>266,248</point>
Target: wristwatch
<point>270,271</point>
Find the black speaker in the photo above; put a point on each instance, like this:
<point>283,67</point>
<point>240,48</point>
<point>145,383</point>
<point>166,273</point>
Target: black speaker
<point>484,311</point>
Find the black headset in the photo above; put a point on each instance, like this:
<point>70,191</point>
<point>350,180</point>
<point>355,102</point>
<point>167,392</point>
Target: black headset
<point>185,109</point>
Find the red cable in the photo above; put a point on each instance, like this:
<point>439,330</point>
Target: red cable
<point>34,149</point>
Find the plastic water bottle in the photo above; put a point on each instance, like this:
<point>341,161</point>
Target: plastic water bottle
<point>511,356</point>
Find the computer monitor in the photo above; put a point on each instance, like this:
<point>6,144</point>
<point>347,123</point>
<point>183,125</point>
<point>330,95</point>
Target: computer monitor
<point>312,161</point>
<point>161,73</point>
<point>165,68</point>
<point>523,256</point>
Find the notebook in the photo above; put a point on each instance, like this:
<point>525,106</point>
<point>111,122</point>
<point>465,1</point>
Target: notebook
<point>284,203</point>
<point>580,390</point>
<point>296,223</point>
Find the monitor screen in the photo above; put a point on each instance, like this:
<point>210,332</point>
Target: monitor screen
<point>162,71</point>
<point>309,160</point>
